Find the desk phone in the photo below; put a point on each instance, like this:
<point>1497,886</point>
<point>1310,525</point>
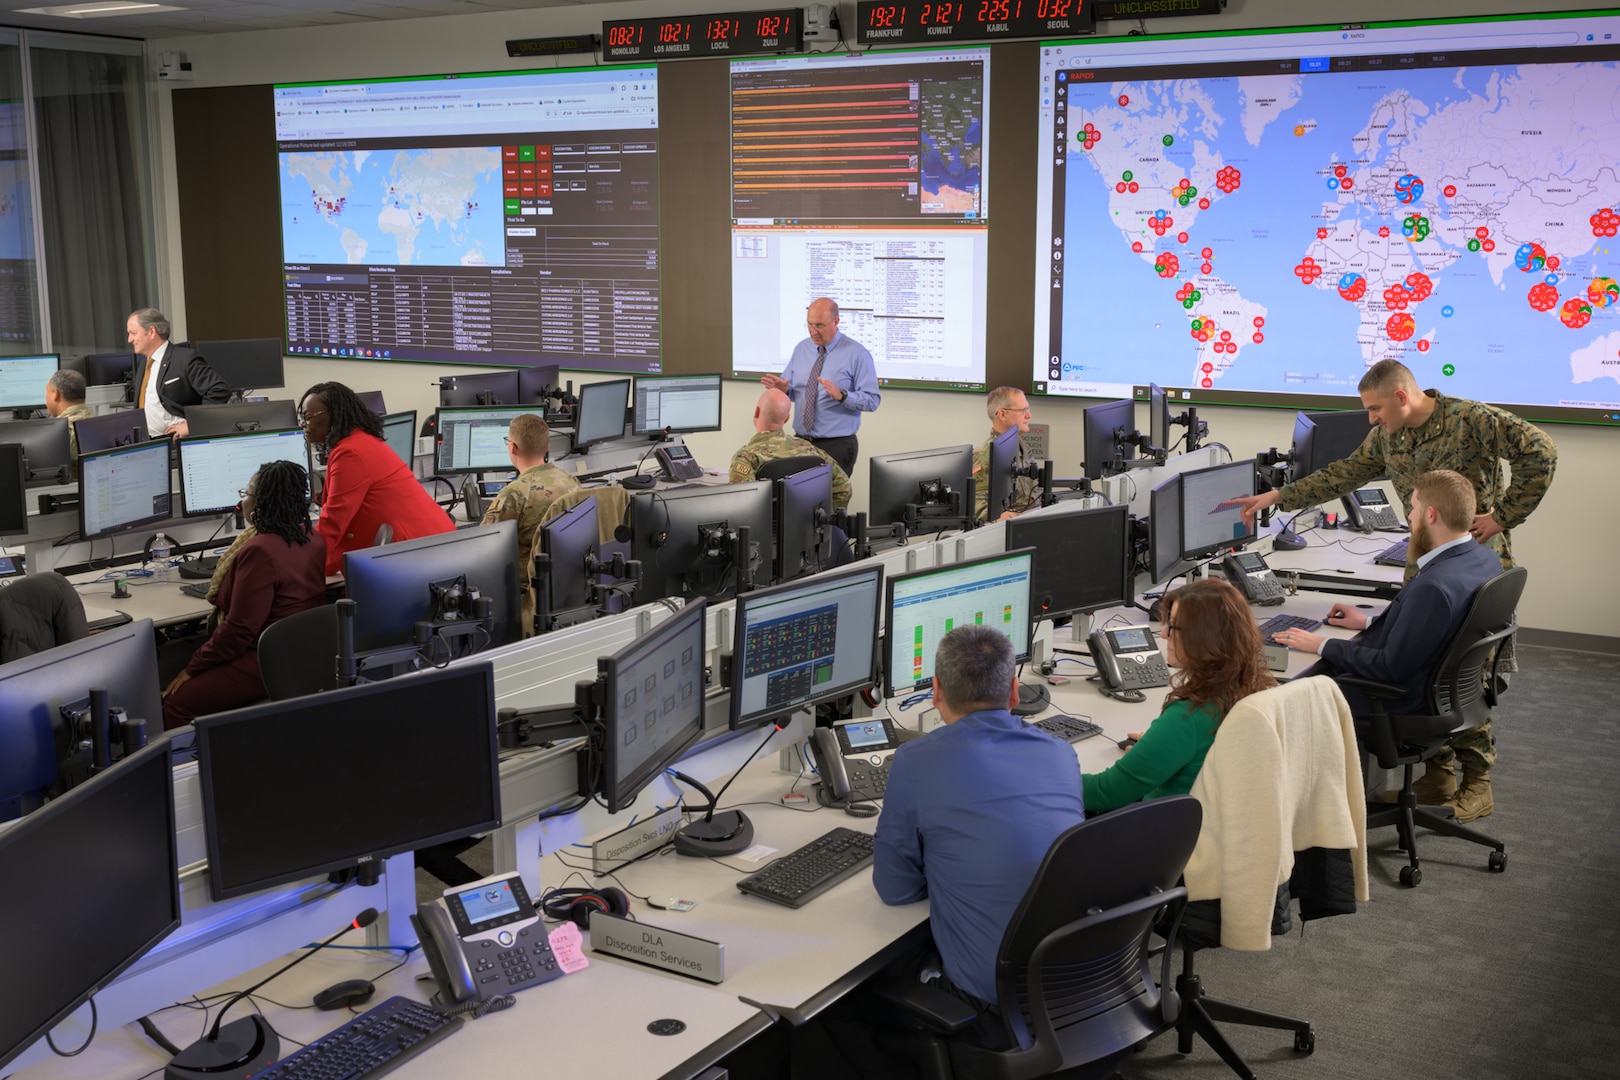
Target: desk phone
<point>485,939</point>
<point>1253,578</point>
<point>677,464</point>
<point>1128,659</point>
<point>853,758</point>
<point>1370,511</point>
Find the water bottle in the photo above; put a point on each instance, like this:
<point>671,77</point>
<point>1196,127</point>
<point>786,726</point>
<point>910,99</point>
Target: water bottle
<point>162,547</point>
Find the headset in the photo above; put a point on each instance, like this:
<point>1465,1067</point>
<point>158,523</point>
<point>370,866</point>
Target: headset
<point>576,905</point>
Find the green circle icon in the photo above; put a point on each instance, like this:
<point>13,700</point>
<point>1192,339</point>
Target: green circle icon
<point>1168,139</point>
<point>1126,176</point>
<point>1449,369</point>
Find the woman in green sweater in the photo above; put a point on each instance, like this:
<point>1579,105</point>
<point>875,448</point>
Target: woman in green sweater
<point>1210,637</point>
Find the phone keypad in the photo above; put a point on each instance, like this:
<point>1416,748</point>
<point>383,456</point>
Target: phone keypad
<point>527,961</point>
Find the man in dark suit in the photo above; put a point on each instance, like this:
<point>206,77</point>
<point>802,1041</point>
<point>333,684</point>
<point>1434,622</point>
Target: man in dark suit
<point>172,378</point>
<point>1403,646</point>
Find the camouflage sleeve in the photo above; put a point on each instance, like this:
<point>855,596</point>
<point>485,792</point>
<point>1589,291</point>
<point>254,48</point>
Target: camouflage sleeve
<point>1340,478</point>
<point>1533,457</point>
<point>506,507</point>
<point>743,467</point>
<point>841,490</point>
<point>981,488</point>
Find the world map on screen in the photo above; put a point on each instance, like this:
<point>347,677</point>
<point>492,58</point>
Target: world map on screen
<point>1279,233</point>
<point>952,146</point>
<point>430,207</point>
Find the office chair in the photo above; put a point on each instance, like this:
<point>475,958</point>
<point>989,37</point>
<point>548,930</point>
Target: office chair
<point>612,512</point>
<point>1460,698</point>
<point>1282,796</point>
<point>298,655</point>
<point>775,470</point>
<point>1075,958</point>
<point>37,613</point>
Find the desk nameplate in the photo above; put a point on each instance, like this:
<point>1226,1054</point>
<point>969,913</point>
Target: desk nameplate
<point>695,957</point>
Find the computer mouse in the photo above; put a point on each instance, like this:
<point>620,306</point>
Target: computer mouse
<point>1126,744</point>
<point>344,994</point>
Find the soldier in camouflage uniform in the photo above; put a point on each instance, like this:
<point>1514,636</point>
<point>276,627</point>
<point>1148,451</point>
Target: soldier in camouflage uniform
<point>526,499</point>
<point>1007,406</point>
<point>1416,432</point>
<point>771,443</point>
<point>64,399</point>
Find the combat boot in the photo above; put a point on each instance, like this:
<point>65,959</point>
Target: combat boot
<point>1473,799</point>
<point>1437,785</point>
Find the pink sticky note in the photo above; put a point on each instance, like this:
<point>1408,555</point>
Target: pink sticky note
<point>565,944</point>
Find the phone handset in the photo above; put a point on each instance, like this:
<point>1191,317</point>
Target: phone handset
<point>830,762</point>
<point>1127,659</point>
<point>442,947</point>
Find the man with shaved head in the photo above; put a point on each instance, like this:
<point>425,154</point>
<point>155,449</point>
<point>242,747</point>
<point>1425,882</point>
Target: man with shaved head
<point>771,443</point>
<point>831,379</point>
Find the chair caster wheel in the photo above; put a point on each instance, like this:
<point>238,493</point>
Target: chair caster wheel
<point>1498,861</point>
<point>1305,1042</point>
<point>1411,876</point>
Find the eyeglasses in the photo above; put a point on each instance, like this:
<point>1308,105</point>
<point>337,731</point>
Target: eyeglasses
<point>1164,631</point>
<point>507,439</point>
<point>1025,411</point>
<point>245,493</point>
<point>304,418</point>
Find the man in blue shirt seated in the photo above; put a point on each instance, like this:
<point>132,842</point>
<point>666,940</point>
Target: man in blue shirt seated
<point>1404,645</point>
<point>970,812</point>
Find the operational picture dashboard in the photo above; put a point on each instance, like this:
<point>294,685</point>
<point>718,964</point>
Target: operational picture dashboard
<point>865,179</point>
<point>1259,216</point>
<point>504,218</point>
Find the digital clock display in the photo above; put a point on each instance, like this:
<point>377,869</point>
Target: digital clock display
<point>879,22</point>
<point>687,36</point>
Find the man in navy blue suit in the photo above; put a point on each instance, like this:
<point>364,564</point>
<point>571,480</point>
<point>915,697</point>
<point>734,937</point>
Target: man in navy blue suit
<point>1403,645</point>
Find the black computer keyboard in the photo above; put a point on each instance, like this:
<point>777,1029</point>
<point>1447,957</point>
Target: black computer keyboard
<point>199,589</point>
<point>800,876</point>
<point>1394,555</point>
<point>1070,728</point>
<point>1278,623</point>
<point>377,1041</point>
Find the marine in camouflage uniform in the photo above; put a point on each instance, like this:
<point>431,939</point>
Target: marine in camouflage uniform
<point>778,444</point>
<point>1469,438</point>
<point>1026,492</point>
<point>525,500</point>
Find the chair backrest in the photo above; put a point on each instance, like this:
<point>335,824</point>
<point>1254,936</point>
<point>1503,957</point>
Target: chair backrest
<point>775,470</point>
<point>1074,959</point>
<point>612,504</point>
<point>298,654</point>
<point>39,612</point>
<point>1458,689</point>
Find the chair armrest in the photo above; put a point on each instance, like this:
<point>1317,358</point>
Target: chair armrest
<point>930,1006</point>
<point>1379,691</point>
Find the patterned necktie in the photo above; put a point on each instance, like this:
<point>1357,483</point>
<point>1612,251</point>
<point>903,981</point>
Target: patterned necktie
<point>812,388</point>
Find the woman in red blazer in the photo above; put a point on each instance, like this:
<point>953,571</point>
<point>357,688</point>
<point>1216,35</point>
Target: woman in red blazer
<point>367,485</point>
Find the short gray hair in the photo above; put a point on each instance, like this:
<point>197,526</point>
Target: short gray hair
<point>974,666</point>
<point>1000,398</point>
<point>150,318</point>
<point>68,383</point>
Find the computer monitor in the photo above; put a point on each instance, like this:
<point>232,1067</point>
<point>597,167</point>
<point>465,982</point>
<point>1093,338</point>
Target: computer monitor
<point>1321,438</point>
<point>1082,558</point>
<point>46,445</point>
<point>924,606</point>
<point>803,643</point>
<point>1158,417</point>
<point>997,475</point>
<point>108,368</point>
<point>125,488</point>
<point>536,383</point>
<point>1206,529</point>
<point>567,540</point>
<point>683,403</point>
<point>390,584</point>
<point>684,538</point>
<point>34,688</point>
<point>110,841</point>
<point>489,388</point>
<point>653,704</point>
<point>241,416</point>
<point>245,363</point>
<point>917,477</point>
<point>1103,427</point>
<point>1164,531</point>
<point>305,786</point>
<point>372,400</point>
<point>473,440</point>
<point>602,406</point>
<point>804,505</point>
<point>215,468</point>
<point>399,432</point>
<point>13,491</point>
<point>23,379</point>
<point>126,427</point>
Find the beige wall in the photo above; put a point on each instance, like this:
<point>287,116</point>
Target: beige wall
<point>1574,585</point>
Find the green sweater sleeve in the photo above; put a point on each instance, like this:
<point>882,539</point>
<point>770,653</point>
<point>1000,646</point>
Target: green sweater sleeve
<point>1165,761</point>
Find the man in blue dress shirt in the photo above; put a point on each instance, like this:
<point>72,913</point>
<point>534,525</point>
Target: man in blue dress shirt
<point>970,812</point>
<point>831,380</point>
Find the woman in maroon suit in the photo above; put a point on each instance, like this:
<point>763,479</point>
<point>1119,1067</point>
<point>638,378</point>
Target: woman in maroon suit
<point>367,485</point>
<point>279,571</point>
